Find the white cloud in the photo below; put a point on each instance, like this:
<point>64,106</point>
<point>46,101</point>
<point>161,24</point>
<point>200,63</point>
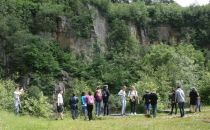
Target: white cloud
<point>190,2</point>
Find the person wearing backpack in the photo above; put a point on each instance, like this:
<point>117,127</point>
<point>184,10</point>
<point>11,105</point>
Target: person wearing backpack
<point>133,96</point>
<point>98,99</point>
<point>84,105</point>
<point>73,101</point>
<point>105,95</point>
<point>122,95</point>
<point>90,102</point>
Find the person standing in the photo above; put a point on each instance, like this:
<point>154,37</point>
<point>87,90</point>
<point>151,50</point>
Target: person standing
<point>122,95</point>
<point>198,104</point>
<point>60,104</point>
<point>133,98</point>
<point>73,103</point>
<point>105,95</point>
<point>90,102</point>
<point>146,100</point>
<point>153,100</point>
<point>173,102</point>
<point>17,94</point>
<point>84,105</point>
<point>193,99</point>
<point>98,99</point>
<point>180,98</point>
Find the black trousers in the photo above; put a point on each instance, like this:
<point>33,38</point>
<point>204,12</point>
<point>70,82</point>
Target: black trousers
<point>133,106</point>
<point>90,111</point>
<point>173,106</point>
<point>106,108</point>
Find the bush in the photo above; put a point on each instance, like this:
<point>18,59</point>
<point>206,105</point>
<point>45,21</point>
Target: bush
<point>7,89</point>
<point>36,107</point>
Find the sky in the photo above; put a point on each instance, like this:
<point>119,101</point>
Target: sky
<point>185,3</point>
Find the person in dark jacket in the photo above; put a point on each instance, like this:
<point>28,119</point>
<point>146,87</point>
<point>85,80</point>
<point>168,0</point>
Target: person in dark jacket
<point>172,98</point>
<point>146,102</point>
<point>193,99</point>
<point>105,95</point>
<point>153,100</point>
<point>73,102</point>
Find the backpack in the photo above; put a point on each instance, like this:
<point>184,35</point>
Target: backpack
<point>98,96</point>
<point>90,100</point>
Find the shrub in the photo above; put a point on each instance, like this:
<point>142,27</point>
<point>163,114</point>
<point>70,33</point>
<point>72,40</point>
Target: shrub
<point>7,88</point>
<point>36,106</point>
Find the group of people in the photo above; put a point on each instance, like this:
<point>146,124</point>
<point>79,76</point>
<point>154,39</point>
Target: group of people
<point>101,96</point>
<point>150,100</point>
<point>87,103</point>
<point>178,96</point>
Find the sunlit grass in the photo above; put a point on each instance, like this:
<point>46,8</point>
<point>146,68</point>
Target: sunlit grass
<point>198,121</point>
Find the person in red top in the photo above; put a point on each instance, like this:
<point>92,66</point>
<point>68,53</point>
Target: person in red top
<point>98,99</point>
<point>90,103</point>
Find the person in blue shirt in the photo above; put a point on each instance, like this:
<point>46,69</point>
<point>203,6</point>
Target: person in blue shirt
<point>84,105</point>
<point>73,102</point>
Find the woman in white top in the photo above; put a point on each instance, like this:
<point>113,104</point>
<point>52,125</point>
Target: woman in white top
<point>133,98</point>
<point>17,94</point>
<point>60,105</point>
<point>122,95</point>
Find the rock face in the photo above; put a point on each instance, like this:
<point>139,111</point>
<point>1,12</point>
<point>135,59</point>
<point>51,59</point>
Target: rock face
<point>167,34</point>
<point>100,28</point>
<point>67,39</point>
<point>97,41</point>
<point>82,46</point>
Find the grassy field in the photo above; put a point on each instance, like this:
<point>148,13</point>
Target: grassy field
<point>198,121</point>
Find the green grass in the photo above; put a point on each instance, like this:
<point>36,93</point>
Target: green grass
<point>198,121</point>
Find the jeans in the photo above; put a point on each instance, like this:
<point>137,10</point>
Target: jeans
<point>106,108</point>
<point>154,110</point>
<point>74,113</point>
<point>147,108</point>
<point>90,109</point>
<point>17,109</point>
<point>84,110</point>
<point>123,102</point>
<point>98,108</point>
<point>173,106</point>
<point>181,108</point>
<point>198,106</point>
<point>133,106</point>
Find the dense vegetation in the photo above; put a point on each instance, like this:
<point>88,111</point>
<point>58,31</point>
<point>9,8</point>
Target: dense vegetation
<point>29,49</point>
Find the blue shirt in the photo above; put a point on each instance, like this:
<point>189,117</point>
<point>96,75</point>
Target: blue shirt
<point>83,101</point>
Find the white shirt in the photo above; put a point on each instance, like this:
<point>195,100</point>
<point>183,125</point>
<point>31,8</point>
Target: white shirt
<point>122,94</point>
<point>17,97</point>
<point>133,93</point>
<point>60,99</point>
